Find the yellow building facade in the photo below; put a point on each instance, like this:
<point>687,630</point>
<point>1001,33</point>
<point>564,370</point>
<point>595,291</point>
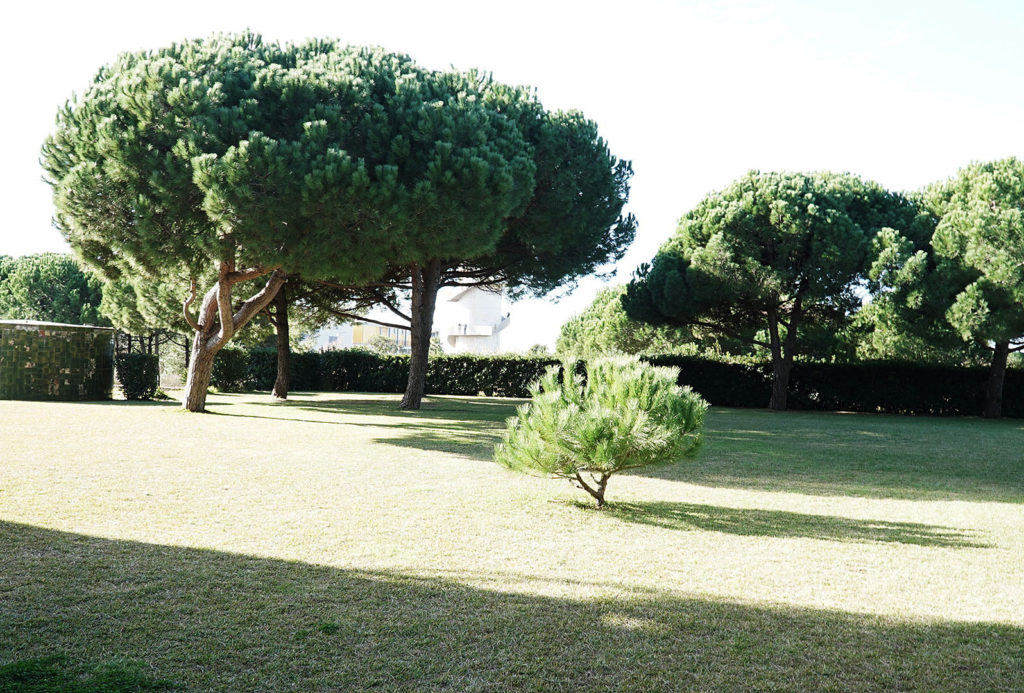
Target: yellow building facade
<point>363,335</point>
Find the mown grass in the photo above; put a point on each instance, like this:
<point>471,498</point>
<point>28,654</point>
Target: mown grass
<point>336,543</point>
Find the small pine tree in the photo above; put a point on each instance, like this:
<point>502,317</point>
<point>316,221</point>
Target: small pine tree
<point>624,415</point>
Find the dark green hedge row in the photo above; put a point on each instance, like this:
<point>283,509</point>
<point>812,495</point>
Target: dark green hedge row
<point>720,383</point>
<point>873,386</point>
<point>900,388</point>
<point>366,371</point>
<point>139,374</point>
<point>896,388</point>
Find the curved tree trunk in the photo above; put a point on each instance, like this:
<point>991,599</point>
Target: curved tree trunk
<point>284,353</point>
<point>993,407</point>
<point>597,490</point>
<point>217,324</point>
<point>200,370</point>
<point>426,280</point>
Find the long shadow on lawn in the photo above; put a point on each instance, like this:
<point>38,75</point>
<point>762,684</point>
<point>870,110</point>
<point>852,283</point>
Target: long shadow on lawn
<point>778,523</point>
<point>469,409</point>
<point>431,435</point>
<point>475,444</point>
<point>468,427</point>
<point>110,403</point>
<point>213,621</point>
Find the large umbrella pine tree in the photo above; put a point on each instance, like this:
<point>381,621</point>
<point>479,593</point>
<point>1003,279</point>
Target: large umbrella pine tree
<point>566,222</point>
<point>765,257</point>
<point>465,169</point>
<point>248,161</point>
<point>977,252</point>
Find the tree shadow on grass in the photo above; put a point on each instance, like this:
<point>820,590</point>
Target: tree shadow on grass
<point>110,403</point>
<point>432,407</point>
<point>475,440</point>
<point>778,523</point>
<point>213,621</point>
<point>460,440</point>
<point>469,427</point>
<point>56,674</point>
<point>215,412</point>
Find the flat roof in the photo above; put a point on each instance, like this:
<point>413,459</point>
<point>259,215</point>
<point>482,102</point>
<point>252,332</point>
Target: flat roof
<point>61,325</point>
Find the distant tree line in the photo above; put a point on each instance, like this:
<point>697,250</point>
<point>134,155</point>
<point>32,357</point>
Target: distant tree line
<point>828,267</point>
<point>50,287</point>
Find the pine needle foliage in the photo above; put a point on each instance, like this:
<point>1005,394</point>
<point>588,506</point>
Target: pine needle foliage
<point>624,414</point>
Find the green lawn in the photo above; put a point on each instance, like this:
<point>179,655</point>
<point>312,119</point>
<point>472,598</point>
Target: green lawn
<point>336,543</point>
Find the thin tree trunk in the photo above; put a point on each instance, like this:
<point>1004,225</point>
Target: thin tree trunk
<point>284,353</point>
<point>426,281</point>
<point>993,407</point>
<point>780,365</point>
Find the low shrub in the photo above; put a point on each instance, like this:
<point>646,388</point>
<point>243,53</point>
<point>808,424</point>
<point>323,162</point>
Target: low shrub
<point>626,414</point>
<point>362,370</point>
<point>139,375</point>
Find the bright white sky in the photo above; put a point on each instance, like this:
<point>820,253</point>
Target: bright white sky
<point>694,93</point>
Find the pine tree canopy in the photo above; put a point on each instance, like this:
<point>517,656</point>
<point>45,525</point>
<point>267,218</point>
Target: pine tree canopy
<point>321,159</point>
<point>772,252</point>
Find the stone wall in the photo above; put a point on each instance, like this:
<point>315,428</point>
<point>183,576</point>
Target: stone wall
<point>51,361</point>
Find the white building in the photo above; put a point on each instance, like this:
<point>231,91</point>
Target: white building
<point>333,337</point>
<point>469,320</point>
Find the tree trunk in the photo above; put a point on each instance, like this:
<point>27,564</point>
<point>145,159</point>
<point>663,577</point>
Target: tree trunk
<point>783,352</point>
<point>993,407</point>
<point>780,385</point>
<point>426,281</point>
<point>218,323</point>
<point>597,490</point>
<point>781,365</point>
<point>284,353</point>
<point>200,370</point>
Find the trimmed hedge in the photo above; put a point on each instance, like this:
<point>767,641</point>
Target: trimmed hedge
<point>871,386</point>
<point>49,361</point>
<point>500,376</point>
<point>885,387</point>
<point>721,383</point>
<point>359,370</point>
<point>900,388</point>
<point>139,375</point>
<point>230,371</point>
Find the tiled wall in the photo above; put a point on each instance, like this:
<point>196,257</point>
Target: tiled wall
<point>58,362</point>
